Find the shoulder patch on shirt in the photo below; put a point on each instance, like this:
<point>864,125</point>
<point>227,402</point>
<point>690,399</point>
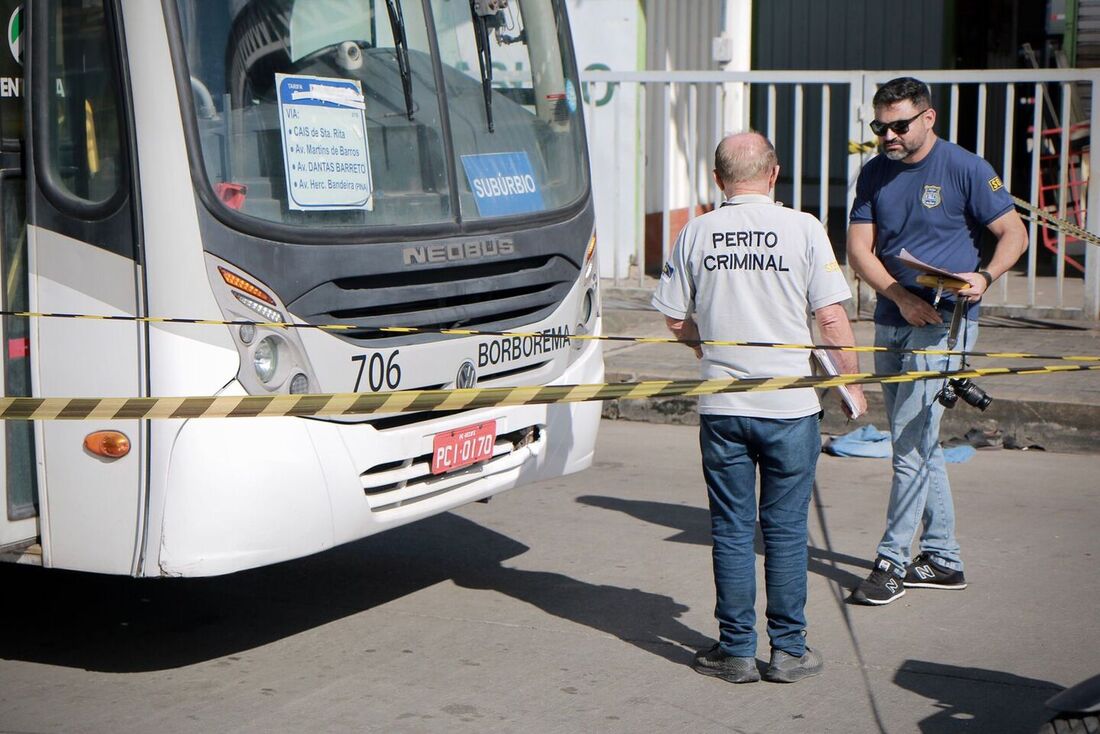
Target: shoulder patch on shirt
<point>930,196</point>
<point>995,184</point>
<point>667,271</point>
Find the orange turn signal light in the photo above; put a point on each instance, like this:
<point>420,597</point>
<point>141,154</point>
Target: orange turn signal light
<point>108,444</point>
<point>591,250</point>
<point>241,284</point>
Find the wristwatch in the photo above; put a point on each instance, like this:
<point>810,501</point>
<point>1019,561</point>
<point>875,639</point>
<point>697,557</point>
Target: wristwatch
<point>988,277</point>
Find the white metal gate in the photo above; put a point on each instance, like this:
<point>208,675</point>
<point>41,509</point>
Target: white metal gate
<point>818,122</point>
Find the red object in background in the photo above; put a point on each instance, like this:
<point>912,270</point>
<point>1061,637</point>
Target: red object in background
<point>18,348</point>
<point>231,194</point>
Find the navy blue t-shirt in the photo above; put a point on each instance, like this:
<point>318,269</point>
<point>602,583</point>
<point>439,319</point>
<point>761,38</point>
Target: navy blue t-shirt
<point>936,209</point>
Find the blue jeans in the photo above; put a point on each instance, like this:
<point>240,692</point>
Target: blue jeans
<point>920,491</point>
<point>785,451</point>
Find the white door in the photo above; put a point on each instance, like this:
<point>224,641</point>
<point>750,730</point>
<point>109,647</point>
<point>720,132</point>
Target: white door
<point>18,480</point>
<point>83,258</point>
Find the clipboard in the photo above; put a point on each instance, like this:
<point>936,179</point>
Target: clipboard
<point>931,276</point>
<point>824,359</point>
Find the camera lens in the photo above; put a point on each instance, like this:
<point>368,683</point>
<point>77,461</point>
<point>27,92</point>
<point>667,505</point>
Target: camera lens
<point>972,394</point>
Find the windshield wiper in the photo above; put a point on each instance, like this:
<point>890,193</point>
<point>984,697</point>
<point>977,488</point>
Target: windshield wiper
<point>484,59</point>
<point>401,49</point>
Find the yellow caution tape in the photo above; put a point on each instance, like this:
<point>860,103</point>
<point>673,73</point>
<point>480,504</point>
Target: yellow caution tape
<point>1057,223</point>
<point>348,404</point>
<point>855,147</point>
<point>538,334</point>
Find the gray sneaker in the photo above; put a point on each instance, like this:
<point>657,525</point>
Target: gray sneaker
<point>786,668</point>
<point>729,668</point>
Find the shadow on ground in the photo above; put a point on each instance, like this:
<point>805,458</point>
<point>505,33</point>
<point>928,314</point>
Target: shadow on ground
<point>121,624</point>
<point>976,699</point>
<point>692,525</point>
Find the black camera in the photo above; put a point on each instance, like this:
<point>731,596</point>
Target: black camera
<point>964,388</point>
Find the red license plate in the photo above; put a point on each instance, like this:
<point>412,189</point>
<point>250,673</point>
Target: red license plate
<point>463,446</point>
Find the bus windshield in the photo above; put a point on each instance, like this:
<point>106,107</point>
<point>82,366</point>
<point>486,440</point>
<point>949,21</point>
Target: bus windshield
<point>365,113</point>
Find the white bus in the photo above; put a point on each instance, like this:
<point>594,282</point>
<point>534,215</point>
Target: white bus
<point>365,163</point>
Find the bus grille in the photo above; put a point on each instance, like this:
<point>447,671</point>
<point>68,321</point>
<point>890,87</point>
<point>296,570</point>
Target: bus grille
<point>402,482</point>
<point>492,297</point>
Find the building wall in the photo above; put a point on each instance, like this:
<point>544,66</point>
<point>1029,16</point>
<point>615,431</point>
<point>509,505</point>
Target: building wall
<point>851,34</point>
<point>1088,33</point>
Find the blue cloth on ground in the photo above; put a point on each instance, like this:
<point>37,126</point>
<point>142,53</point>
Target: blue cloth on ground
<point>866,441</point>
<point>959,454</point>
<point>870,443</point>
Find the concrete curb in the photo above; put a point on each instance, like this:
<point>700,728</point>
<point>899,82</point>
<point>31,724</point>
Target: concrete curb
<point>1053,426</point>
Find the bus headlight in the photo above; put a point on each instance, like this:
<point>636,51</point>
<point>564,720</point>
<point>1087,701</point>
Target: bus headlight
<point>588,305</point>
<point>265,358</point>
<point>299,384</point>
<point>273,357</point>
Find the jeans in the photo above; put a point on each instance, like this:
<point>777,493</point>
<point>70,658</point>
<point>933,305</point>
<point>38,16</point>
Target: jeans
<point>785,451</point>
<point>920,491</point>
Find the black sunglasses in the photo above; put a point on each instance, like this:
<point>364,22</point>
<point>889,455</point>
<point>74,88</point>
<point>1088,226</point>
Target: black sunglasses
<point>900,127</point>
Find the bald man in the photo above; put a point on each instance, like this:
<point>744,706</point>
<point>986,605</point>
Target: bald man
<point>752,270</point>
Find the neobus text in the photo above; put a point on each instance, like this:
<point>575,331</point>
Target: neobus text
<point>456,251</point>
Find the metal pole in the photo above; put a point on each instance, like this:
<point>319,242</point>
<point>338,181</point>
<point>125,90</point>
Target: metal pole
<point>953,136</point>
<point>823,193</point>
<point>981,120</point>
<point>1063,194</point>
<point>641,195</point>
<point>692,145</point>
<point>1036,151</point>
<point>771,113</point>
<point>1006,167</point>
<point>797,178</point>
<point>666,177</point>
<point>1092,253</point>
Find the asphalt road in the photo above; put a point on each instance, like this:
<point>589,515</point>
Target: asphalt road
<point>574,606</point>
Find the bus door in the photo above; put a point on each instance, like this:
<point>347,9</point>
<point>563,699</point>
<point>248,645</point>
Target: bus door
<point>19,491</point>
<point>81,258</point>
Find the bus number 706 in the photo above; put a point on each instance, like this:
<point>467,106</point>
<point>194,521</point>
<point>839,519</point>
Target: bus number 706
<point>381,372</point>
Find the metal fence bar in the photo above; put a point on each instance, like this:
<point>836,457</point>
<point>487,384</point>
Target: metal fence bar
<point>639,194</point>
<point>666,175</point>
<point>1036,151</point>
<point>815,76</point>
<point>953,136</point>
<point>692,144</point>
<point>797,177</point>
<point>858,92</point>
<point>588,100</point>
<point>823,192</point>
<point>1092,212</point>
<point>617,162</point>
<point>720,97</point>
<point>1006,165</point>
<point>1063,193</point>
<point>980,146</point>
<point>772,113</point>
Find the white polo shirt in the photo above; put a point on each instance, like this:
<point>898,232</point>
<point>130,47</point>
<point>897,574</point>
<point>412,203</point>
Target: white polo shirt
<point>752,270</point>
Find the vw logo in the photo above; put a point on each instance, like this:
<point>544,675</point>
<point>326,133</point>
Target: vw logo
<point>467,375</point>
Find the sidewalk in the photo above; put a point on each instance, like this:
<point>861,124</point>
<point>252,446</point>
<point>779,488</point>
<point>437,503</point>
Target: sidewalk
<point>1060,412</point>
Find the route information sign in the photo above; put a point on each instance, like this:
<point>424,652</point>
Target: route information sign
<point>324,133</point>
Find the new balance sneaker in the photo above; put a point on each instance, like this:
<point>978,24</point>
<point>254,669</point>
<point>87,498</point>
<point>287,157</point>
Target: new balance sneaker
<point>924,573</point>
<point>884,585</point>
<point>730,668</point>
<point>786,668</point>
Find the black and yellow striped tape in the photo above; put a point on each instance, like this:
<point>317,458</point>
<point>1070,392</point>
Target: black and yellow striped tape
<point>349,404</point>
<point>578,337</point>
<point>1049,220</point>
